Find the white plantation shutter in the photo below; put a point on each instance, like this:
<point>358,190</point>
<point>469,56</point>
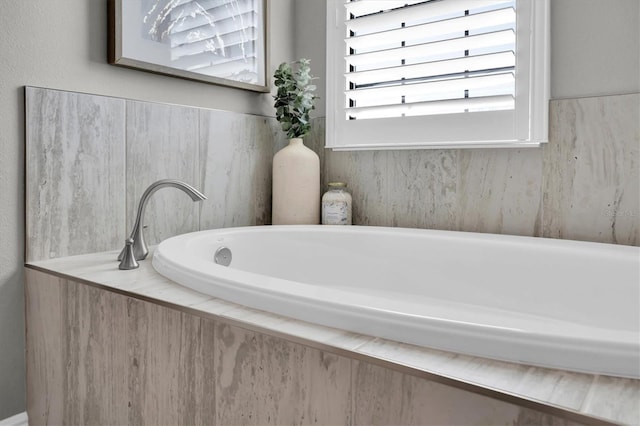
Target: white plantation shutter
<point>413,74</point>
<point>212,37</point>
<point>427,58</point>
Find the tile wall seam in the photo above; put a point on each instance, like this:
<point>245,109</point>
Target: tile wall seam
<point>216,394</point>
<point>128,174</point>
<point>589,396</point>
<point>538,231</point>
<point>353,389</point>
<point>124,167</point>
<point>457,219</point>
<point>199,176</point>
<point>388,214</point>
<point>544,178</point>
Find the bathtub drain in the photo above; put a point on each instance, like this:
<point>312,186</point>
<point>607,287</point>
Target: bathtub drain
<point>222,256</point>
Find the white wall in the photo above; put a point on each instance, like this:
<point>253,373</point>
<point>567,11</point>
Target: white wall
<point>62,44</point>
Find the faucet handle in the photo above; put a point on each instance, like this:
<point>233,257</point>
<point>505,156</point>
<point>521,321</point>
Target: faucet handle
<point>137,249</point>
<point>128,260</point>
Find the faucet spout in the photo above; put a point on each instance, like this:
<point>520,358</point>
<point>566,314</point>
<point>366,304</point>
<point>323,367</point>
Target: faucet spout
<point>140,250</point>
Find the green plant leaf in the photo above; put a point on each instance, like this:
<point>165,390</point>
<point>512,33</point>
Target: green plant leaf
<point>294,98</point>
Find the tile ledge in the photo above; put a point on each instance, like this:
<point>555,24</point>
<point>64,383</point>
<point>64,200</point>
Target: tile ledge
<point>89,269</point>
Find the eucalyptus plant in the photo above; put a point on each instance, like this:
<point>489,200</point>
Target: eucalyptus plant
<point>294,98</point>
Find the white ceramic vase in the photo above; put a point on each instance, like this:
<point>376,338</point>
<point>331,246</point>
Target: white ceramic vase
<point>296,185</point>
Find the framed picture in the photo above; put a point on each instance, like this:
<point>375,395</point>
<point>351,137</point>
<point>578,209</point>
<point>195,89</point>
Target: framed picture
<point>215,41</point>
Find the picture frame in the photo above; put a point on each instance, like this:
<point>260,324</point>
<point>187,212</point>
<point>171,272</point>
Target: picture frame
<point>222,42</point>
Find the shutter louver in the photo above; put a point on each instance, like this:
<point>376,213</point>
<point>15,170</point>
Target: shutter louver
<point>213,37</point>
<point>407,58</point>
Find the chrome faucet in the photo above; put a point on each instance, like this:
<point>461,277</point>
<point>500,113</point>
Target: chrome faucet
<point>136,248</point>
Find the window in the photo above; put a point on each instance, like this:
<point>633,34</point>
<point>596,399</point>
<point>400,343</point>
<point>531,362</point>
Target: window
<point>438,73</point>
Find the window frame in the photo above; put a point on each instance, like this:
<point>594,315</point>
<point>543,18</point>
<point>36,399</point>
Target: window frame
<point>525,126</point>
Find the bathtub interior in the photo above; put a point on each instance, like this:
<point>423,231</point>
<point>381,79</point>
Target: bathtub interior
<point>584,283</point>
<point>551,303</point>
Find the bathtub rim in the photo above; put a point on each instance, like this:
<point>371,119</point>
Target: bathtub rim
<point>563,351</point>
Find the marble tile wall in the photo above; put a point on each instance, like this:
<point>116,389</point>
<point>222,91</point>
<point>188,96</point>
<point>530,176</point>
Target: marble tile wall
<point>265,380</point>
<point>235,176</point>
<point>583,185</point>
<point>76,173</point>
<point>97,357</point>
<point>90,158</point>
<point>592,170</point>
<point>162,142</point>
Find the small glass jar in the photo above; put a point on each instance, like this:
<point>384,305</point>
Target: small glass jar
<point>336,205</point>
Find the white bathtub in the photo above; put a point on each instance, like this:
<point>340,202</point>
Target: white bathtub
<point>553,303</point>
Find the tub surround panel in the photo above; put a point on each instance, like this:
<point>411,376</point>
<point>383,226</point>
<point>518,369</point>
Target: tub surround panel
<point>499,191</point>
<point>81,384</point>
<point>559,391</point>
<point>91,157</point>
<point>485,190</point>
<point>491,373</point>
<point>560,388</point>
<point>172,351</point>
<point>117,350</point>
<point>44,349</point>
<point>162,142</point>
<point>236,153</point>
<point>266,380</point>
<point>425,194</point>
<point>610,397</point>
<point>385,397</point>
<point>75,172</point>
<point>95,324</point>
<point>534,418</point>
<point>364,172</point>
<point>568,387</point>
<point>583,184</point>
<point>583,393</point>
<point>592,168</point>
<point>130,361</point>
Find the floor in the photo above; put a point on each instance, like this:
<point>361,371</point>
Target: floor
<point>17,420</point>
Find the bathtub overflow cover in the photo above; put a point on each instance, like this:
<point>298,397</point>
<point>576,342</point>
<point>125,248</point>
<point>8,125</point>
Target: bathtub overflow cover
<point>222,256</point>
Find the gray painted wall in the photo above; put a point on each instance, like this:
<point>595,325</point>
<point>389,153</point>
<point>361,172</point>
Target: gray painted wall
<point>595,47</point>
<point>62,44</point>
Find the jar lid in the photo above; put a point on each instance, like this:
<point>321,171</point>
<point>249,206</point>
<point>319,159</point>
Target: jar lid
<point>337,185</point>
